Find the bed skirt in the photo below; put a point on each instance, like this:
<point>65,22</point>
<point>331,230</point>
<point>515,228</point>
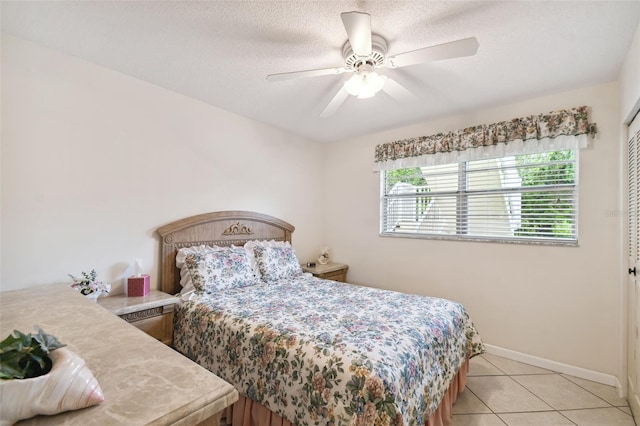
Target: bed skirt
<point>247,412</point>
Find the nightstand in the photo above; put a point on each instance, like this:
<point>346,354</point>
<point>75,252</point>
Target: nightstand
<point>152,313</point>
<point>330,271</point>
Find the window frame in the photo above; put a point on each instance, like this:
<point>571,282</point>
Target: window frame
<point>461,206</point>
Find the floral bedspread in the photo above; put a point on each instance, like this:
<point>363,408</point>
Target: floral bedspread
<point>320,352</point>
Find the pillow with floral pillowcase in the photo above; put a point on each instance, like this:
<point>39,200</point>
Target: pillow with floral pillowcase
<point>276,263</point>
<point>185,276</point>
<point>219,270</point>
<point>250,245</point>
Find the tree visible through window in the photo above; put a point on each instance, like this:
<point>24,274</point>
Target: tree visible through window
<point>550,168</point>
<point>529,197</point>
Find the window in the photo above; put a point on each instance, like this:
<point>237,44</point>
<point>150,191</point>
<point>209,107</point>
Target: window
<point>530,198</point>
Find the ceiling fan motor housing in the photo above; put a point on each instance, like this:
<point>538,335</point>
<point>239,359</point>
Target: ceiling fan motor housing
<point>373,60</point>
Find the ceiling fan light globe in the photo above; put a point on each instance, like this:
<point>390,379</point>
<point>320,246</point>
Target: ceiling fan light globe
<point>372,83</point>
<point>365,94</point>
<point>354,84</point>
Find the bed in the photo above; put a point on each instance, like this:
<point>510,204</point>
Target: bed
<point>302,350</point>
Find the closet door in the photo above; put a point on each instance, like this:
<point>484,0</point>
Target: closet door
<point>633,289</point>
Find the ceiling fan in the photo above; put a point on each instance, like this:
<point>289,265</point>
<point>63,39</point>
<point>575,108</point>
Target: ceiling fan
<point>365,52</point>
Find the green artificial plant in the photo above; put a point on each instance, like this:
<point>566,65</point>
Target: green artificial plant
<point>23,356</point>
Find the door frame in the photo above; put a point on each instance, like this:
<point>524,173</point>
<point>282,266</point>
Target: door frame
<point>631,318</point>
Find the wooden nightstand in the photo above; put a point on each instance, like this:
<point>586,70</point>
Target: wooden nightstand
<point>152,313</point>
<point>330,271</point>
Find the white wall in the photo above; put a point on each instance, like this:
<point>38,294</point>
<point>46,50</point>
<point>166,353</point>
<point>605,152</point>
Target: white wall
<point>94,161</point>
<point>558,303</point>
<point>630,80</point>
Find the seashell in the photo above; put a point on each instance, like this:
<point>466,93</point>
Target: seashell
<point>69,385</point>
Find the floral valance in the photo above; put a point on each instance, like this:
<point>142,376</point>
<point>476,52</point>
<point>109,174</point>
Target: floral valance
<point>553,131</point>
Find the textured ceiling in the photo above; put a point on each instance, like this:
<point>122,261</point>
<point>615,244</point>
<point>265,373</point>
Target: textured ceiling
<point>221,51</point>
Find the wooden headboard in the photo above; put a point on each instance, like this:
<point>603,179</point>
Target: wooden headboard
<point>217,228</point>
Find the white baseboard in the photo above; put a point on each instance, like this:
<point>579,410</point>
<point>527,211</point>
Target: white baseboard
<point>572,370</point>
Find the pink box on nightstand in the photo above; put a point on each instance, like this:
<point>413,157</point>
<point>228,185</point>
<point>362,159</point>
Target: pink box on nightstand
<point>138,286</point>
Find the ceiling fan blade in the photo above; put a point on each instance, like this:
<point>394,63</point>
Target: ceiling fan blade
<point>335,103</point>
<point>307,73</point>
<point>453,49</point>
<point>397,91</point>
<point>358,26</point>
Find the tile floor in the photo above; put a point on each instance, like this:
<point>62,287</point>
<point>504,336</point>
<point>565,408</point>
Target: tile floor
<point>503,392</point>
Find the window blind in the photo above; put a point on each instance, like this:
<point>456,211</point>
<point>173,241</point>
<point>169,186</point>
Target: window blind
<point>634,199</point>
<point>530,197</point>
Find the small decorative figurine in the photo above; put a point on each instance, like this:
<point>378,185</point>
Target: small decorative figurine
<point>324,256</point>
